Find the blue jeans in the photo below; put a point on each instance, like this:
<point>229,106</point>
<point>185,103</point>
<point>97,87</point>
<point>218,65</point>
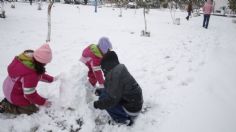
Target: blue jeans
<point>117,112</point>
<point>206,20</point>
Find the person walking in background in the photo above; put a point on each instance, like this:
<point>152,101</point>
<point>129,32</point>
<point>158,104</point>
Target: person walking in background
<point>30,2</point>
<point>2,11</point>
<point>121,96</point>
<point>207,9</point>
<point>24,73</point>
<point>189,9</point>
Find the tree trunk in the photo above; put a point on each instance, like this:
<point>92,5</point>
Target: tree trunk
<point>49,20</point>
<point>145,22</point>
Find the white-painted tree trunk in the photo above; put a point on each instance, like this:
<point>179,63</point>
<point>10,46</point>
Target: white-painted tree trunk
<point>120,15</point>
<point>40,5</point>
<point>49,21</point>
<point>13,4</point>
<point>2,6</point>
<point>2,13</point>
<point>145,21</point>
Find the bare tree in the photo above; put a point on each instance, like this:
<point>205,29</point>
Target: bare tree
<point>40,5</point>
<point>13,4</point>
<point>232,5</point>
<point>2,15</point>
<point>172,7</point>
<point>145,10</point>
<point>49,20</point>
<point>96,6</point>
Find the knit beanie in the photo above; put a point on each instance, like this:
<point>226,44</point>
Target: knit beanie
<point>109,61</point>
<point>43,54</point>
<point>104,44</point>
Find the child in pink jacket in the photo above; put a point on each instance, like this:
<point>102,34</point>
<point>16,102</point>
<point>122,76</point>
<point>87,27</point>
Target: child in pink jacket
<point>92,56</point>
<point>207,9</point>
<point>24,73</point>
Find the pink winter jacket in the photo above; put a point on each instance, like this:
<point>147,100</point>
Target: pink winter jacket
<point>207,8</point>
<point>21,77</point>
<point>92,60</point>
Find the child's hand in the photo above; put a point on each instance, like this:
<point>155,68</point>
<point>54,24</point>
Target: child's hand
<point>57,77</point>
<point>98,92</point>
<point>47,104</point>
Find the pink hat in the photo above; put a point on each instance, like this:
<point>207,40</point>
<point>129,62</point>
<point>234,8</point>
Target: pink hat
<point>43,54</point>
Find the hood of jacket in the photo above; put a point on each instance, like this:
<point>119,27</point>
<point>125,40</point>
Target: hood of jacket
<point>95,50</point>
<point>21,65</point>
<point>109,61</point>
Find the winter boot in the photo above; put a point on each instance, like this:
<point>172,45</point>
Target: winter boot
<point>7,107</point>
<point>2,110</point>
<point>187,18</point>
<point>130,122</point>
<point>119,123</point>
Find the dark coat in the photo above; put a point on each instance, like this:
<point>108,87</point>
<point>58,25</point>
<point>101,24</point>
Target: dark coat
<point>190,7</point>
<point>122,89</point>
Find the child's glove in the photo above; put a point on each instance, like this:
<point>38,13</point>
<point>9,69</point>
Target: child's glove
<point>98,91</point>
<point>95,105</point>
<point>58,77</point>
<point>47,103</point>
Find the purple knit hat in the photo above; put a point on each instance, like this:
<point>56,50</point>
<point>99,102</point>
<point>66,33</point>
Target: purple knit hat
<point>104,44</point>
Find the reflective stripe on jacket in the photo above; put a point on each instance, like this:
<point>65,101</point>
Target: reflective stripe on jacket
<point>20,78</point>
<point>92,56</point>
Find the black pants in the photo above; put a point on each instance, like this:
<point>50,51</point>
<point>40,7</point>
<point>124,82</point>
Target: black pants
<point>206,20</point>
<point>189,14</point>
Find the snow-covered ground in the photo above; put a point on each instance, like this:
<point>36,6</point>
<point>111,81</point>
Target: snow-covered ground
<point>187,73</point>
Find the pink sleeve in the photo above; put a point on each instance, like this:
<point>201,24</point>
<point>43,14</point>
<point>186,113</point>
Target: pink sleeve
<point>46,78</point>
<point>98,72</point>
<point>99,76</point>
<point>35,98</point>
<point>31,81</point>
